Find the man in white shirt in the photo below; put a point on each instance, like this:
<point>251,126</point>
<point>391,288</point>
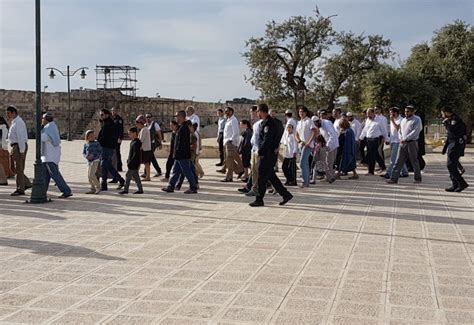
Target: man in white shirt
<point>51,154</point>
<point>374,132</point>
<point>18,138</point>
<point>306,132</point>
<point>193,117</point>
<point>410,128</point>
<point>395,120</point>
<point>337,114</point>
<point>156,140</point>
<point>220,135</point>
<point>233,162</point>
<point>251,188</point>
<point>330,134</point>
<point>384,123</point>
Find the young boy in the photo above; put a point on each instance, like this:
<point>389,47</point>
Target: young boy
<point>92,152</point>
<point>289,161</point>
<point>133,162</point>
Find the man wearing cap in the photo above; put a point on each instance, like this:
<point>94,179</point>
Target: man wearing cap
<point>118,120</point>
<point>410,128</point>
<point>18,138</point>
<point>51,154</point>
<point>193,117</point>
<point>356,126</point>
<point>108,138</point>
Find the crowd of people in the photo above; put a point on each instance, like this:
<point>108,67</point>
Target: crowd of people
<point>317,146</point>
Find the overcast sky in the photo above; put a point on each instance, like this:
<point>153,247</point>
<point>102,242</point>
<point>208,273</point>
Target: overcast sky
<point>187,48</point>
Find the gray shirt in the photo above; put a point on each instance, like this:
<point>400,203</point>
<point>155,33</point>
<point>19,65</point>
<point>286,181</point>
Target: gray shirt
<point>410,128</point>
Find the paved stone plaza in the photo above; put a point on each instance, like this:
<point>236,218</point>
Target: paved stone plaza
<point>353,252</point>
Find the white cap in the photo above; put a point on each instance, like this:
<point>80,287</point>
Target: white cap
<point>315,118</point>
<point>288,111</point>
<point>349,114</point>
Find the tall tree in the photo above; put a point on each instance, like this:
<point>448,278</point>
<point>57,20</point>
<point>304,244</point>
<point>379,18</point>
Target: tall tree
<point>284,59</point>
<point>358,54</point>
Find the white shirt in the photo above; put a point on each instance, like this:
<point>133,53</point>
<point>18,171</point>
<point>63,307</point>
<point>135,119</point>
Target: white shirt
<point>49,153</point>
<point>410,128</point>
<point>255,139</point>
<point>144,137</point>
<point>232,131</point>
<point>356,126</point>
<point>194,118</point>
<point>304,130</point>
<point>328,131</point>
<point>372,129</point>
<point>291,146</point>
<point>384,123</point>
<point>337,125</point>
<point>18,133</point>
<point>4,141</point>
<point>220,125</point>
<point>294,123</point>
<point>394,131</point>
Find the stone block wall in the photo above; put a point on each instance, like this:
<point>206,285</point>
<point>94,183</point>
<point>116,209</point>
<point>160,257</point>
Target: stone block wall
<point>85,105</point>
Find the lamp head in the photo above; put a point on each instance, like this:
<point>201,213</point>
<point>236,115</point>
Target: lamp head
<point>51,74</point>
<point>83,74</point>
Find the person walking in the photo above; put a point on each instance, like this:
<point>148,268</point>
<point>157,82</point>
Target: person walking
<point>233,163</point>
<point>347,146</point>
<point>245,147</point>
<point>410,128</point>
<point>395,121</point>
<point>156,140</point>
<point>289,160</point>
<point>170,160</point>
<point>108,137</point>
<point>92,151</point>
<point>379,117</point>
<point>305,134</point>
<point>220,135</point>
<point>182,157</point>
<point>270,136</point>
<point>133,162</point>
<point>18,138</point>
<point>4,154</point>
<point>118,120</point>
<point>373,132</point>
<point>251,188</point>
<point>51,155</point>
<point>454,148</point>
<point>193,117</point>
<point>146,149</point>
<point>329,132</point>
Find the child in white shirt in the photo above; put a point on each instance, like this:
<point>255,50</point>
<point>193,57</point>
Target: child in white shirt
<point>289,161</point>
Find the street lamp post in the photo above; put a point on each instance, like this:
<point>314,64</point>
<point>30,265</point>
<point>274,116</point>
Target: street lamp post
<point>68,74</point>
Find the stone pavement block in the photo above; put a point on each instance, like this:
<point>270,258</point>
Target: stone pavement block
<point>56,302</point>
<point>30,316</point>
<point>457,303</point>
<point>344,320</point>
<point>131,320</point>
<point>363,310</point>
<point>407,299</point>
<point>15,299</point>
<point>291,317</point>
<point>198,311</point>
<point>316,306</point>
<point>203,297</point>
<point>257,301</point>
<point>246,315</point>
<point>166,295</point>
<point>458,317</point>
<point>410,313</point>
<point>143,307</point>
<point>101,305</point>
<point>79,318</point>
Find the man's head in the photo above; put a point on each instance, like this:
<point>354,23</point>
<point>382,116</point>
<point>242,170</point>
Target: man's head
<point>46,118</point>
<point>253,112</point>
<point>337,113</point>
<point>229,111</point>
<point>273,113</point>
<point>189,110</point>
<point>173,125</point>
<point>149,118</point>
<point>323,114</point>
<point>220,112</point>
<point>288,113</point>
<point>350,116</point>
<point>446,112</point>
<point>303,111</point>
<point>12,112</point>
<point>133,133</point>
<point>370,113</point>
<point>409,110</point>
<point>262,110</point>
<point>378,110</point>
<point>180,117</point>
<point>394,112</point>
<point>114,112</point>
<point>104,114</point>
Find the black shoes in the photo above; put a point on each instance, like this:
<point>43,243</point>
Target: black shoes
<point>190,191</point>
<point>243,190</point>
<point>256,204</point>
<point>461,187</point>
<point>220,164</point>
<point>450,189</point>
<point>123,192</point>
<point>286,199</point>
<point>18,193</point>
<point>138,192</point>
<point>65,196</point>
<point>226,180</point>
<point>167,190</point>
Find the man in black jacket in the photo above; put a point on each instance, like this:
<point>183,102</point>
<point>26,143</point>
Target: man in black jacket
<point>118,120</point>
<point>182,157</point>
<point>454,147</point>
<point>108,137</point>
<point>133,162</point>
<point>270,136</point>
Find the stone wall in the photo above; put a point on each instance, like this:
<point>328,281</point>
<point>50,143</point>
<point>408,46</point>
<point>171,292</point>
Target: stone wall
<point>85,105</point>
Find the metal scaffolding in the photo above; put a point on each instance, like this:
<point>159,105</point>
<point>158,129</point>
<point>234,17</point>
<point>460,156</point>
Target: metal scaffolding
<point>117,77</point>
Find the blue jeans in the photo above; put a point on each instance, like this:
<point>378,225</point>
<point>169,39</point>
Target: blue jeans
<point>304,164</point>
<point>107,167</point>
<point>393,159</point>
<point>52,171</point>
<point>182,167</point>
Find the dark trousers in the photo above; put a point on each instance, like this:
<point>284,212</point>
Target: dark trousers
<point>362,146</point>
<point>182,166</point>
<point>267,173</point>
<point>381,153</point>
<point>181,178</point>
<point>169,165</point>
<point>407,151</point>
<point>154,162</point>
<point>454,152</point>
<point>289,170</point>
<point>220,141</point>
<point>106,162</point>
<point>119,157</point>
<point>132,174</point>
<point>373,154</point>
